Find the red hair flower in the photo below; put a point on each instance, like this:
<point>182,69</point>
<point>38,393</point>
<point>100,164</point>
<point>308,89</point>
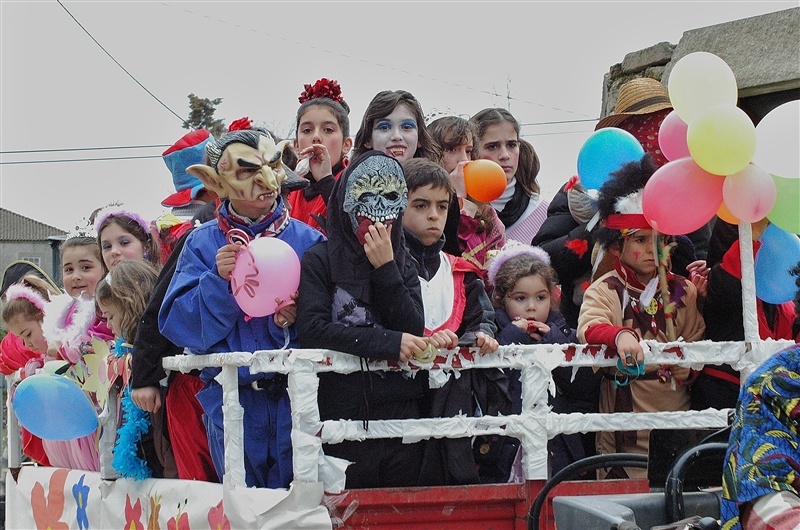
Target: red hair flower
<point>578,246</point>
<point>242,124</point>
<point>571,183</point>
<point>323,88</point>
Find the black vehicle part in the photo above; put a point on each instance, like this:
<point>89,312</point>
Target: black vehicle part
<point>673,490</point>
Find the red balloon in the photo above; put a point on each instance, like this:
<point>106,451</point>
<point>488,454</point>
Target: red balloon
<point>681,197</point>
<point>485,180</point>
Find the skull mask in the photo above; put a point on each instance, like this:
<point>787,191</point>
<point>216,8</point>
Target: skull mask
<point>244,165</point>
<point>375,191</point>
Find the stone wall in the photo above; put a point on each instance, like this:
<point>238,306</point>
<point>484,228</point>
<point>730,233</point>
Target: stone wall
<point>763,52</point>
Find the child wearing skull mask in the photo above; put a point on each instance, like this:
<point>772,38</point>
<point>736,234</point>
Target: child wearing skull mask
<point>359,293</point>
<point>199,311</point>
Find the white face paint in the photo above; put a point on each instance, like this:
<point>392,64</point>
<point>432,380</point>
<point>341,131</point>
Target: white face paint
<point>397,134</point>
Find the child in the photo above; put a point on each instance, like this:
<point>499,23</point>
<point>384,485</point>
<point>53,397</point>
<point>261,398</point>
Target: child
<point>457,311</point>
<point>121,297</point>
<point>359,293</point>
<point>246,171</point>
<point>520,208</point>
<point>124,235</point>
<point>395,125</point>
<point>480,231</point>
<point>323,141</point>
<point>627,304</point>
<point>23,314</point>
<point>525,298</point>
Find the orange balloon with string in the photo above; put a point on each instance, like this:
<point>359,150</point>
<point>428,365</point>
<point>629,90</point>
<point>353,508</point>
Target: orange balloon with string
<point>485,180</point>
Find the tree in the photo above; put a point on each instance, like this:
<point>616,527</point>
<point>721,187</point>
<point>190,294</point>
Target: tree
<point>202,115</point>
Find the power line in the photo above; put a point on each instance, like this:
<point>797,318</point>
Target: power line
<point>68,149</point>
<point>79,160</point>
<point>359,59</point>
<point>118,64</point>
<point>557,122</point>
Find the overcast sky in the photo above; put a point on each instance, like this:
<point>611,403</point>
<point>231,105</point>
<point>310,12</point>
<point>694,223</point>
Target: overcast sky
<point>61,91</point>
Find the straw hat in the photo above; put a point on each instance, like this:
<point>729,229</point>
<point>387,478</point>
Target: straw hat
<point>641,95</point>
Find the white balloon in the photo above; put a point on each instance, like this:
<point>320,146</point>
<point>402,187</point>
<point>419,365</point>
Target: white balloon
<point>699,81</point>
<point>778,141</point>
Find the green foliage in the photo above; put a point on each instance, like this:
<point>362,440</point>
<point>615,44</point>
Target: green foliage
<point>201,115</point>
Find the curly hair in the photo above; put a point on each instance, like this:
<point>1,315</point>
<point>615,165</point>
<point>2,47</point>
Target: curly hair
<point>518,267</point>
<point>127,288</point>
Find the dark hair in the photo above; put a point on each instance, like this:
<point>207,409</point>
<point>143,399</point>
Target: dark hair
<point>381,106</point>
<point>528,166</point>
<point>451,131</point>
<point>151,251</point>
<point>340,110</point>
<point>628,179</point>
<point>420,172</point>
<point>518,267</point>
<point>81,241</point>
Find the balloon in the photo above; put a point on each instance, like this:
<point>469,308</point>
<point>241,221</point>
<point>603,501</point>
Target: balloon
<point>778,135</point>
<point>672,137</point>
<point>722,140</point>
<point>749,194</point>
<point>681,197</point>
<point>725,214</point>
<point>53,407</point>
<point>266,269</point>
<point>779,253</point>
<point>485,180</point>
<point>606,151</point>
<point>786,213</point>
<point>699,81</point>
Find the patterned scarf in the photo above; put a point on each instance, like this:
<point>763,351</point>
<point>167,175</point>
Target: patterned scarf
<point>273,224</point>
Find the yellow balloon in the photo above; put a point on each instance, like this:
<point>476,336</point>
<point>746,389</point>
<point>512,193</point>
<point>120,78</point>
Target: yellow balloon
<point>722,140</point>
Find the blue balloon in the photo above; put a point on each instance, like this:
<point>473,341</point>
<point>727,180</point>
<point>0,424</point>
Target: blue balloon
<point>606,151</point>
<point>779,253</point>
<point>53,407</point>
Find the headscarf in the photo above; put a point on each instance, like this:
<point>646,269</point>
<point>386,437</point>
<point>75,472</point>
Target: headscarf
<point>350,267</point>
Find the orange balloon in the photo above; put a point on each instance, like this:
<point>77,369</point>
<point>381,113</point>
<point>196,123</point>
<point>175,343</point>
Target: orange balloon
<point>485,180</point>
<point>725,214</point>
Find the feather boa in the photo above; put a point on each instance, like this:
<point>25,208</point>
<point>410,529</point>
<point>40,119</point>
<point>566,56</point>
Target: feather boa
<point>66,323</point>
<point>135,424</point>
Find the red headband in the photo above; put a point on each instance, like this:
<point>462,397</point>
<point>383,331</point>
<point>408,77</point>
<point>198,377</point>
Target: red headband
<point>621,221</point>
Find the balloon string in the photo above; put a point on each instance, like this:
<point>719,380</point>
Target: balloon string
<point>286,338</point>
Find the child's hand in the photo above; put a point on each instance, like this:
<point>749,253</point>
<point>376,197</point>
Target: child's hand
<point>411,345</point>
<point>457,178</point>
<point>629,349</point>
<point>226,259</point>
<point>147,398</point>
<point>319,161</point>
<point>701,282</point>
<point>680,373</point>
<point>287,315</point>
<point>444,339</point>
<point>378,244</point>
<point>486,343</point>
<point>537,329</point>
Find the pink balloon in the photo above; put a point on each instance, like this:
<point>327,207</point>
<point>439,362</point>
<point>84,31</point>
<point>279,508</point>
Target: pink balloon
<point>681,197</point>
<point>672,137</point>
<point>266,269</point>
<point>749,194</point>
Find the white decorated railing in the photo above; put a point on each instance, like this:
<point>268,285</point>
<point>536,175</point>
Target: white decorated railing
<point>534,426</point>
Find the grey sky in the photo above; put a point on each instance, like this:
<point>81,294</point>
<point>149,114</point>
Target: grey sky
<point>61,91</point>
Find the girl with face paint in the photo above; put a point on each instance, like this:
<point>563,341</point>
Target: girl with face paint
<point>359,293</point>
<point>394,124</point>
